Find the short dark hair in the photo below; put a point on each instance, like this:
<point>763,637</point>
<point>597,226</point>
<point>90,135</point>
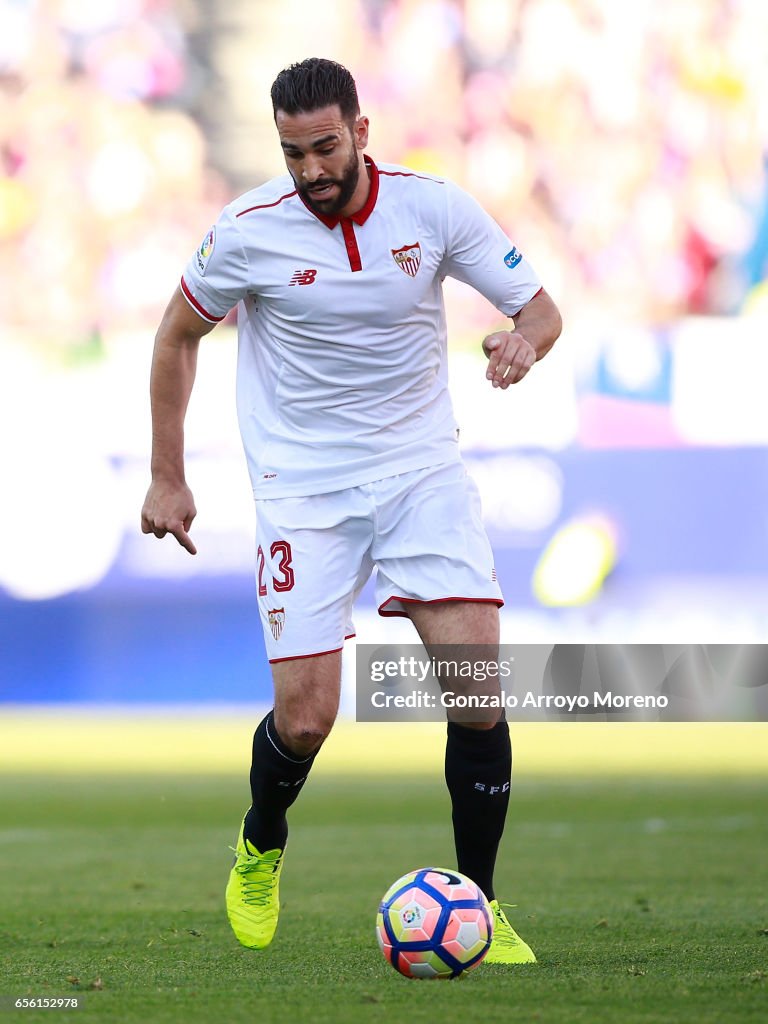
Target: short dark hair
<point>315,83</point>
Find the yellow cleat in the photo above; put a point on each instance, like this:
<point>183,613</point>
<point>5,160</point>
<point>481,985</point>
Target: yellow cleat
<point>253,893</point>
<point>506,946</point>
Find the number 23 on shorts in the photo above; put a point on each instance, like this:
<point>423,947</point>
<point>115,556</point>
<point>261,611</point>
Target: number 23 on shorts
<point>284,579</point>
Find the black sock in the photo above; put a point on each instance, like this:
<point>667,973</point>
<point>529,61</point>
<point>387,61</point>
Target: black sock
<point>478,768</point>
<point>277,776</point>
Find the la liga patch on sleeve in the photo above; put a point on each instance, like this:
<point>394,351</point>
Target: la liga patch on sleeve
<point>203,254</point>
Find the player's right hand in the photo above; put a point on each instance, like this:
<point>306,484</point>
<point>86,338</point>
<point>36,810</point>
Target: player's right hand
<point>169,508</point>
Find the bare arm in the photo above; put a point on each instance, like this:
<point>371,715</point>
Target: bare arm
<point>511,354</point>
<point>169,506</point>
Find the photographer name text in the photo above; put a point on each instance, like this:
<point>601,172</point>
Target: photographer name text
<point>551,702</point>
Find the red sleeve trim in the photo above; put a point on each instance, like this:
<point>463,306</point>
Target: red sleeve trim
<point>196,305</point>
<point>513,315</point>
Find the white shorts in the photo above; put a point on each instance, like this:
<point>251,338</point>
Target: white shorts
<point>422,531</point>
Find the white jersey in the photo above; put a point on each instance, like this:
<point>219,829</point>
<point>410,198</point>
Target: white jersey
<point>342,370</point>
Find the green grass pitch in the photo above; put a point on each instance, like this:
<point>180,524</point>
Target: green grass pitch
<point>645,901</point>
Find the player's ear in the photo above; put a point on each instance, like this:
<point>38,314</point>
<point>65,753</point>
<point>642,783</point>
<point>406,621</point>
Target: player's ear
<point>360,132</point>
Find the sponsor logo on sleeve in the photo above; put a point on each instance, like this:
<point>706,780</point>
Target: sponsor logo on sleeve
<point>203,254</point>
<point>513,257</point>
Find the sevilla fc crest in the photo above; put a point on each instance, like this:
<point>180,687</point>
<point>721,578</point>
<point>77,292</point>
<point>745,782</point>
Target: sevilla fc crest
<point>408,258</point>
<point>276,618</point>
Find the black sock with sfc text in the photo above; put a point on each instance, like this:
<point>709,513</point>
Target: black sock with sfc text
<point>277,777</point>
<point>478,769</point>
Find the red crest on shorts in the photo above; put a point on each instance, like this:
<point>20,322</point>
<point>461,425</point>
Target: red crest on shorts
<point>276,618</point>
<point>408,258</point>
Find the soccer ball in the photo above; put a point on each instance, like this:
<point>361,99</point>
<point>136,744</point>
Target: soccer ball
<point>434,923</point>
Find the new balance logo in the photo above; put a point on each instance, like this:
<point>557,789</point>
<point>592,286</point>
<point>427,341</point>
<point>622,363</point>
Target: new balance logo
<point>304,277</point>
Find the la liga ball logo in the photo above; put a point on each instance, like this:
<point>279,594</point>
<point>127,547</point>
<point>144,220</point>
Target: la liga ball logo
<point>410,916</point>
<point>208,242</point>
<point>203,254</point>
<point>434,923</point>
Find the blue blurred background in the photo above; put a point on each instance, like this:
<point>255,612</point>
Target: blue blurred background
<point>625,150</point>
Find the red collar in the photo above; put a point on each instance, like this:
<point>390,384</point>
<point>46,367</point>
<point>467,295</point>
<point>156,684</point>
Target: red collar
<point>364,212</point>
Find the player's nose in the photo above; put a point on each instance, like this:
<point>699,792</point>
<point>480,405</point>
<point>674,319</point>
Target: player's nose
<point>312,169</point>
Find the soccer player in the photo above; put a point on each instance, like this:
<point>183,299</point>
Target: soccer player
<point>351,444</point>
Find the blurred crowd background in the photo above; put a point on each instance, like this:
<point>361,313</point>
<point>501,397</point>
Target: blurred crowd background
<point>624,143</point>
<point>623,147</point>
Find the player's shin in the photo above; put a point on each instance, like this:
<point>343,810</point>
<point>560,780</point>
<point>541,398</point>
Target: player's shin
<point>277,777</point>
<point>478,768</point>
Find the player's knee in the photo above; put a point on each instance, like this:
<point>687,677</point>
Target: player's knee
<point>306,736</point>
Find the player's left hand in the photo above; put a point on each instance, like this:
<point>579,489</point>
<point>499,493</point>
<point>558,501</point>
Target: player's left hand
<point>510,357</point>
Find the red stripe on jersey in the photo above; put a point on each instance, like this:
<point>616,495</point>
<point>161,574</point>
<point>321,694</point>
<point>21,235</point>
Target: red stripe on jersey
<point>266,206</point>
<point>350,241</point>
<point>197,307</point>
<point>411,174</point>
<point>438,600</point>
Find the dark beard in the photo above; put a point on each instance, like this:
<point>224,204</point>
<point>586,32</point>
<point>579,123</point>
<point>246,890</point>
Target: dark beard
<point>346,185</point>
